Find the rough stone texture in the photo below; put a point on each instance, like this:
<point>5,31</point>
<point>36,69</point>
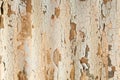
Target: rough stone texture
<point>59,39</point>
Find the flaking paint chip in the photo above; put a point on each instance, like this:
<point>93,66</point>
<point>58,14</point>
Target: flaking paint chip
<point>57,11</point>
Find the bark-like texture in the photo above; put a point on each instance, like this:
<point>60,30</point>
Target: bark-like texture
<point>59,39</point>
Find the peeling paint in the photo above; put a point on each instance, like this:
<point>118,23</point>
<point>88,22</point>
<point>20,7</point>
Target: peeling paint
<point>72,73</point>
<point>10,11</point>
<point>73,32</point>
<point>84,60</point>
<point>22,75</point>
<point>57,11</point>
<point>56,56</point>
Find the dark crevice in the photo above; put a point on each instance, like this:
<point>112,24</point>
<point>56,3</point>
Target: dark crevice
<point>2,8</point>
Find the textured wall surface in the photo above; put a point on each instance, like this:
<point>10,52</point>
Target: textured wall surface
<point>59,39</point>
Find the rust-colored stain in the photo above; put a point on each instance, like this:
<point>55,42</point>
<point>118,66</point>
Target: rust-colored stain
<point>57,56</point>
<point>57,11</point>
<point>1,22</point>
<point>72,73</point>
<point>22,75</point>
<point>73,32</point>
<point>84,60</point>
<point>10,11</point>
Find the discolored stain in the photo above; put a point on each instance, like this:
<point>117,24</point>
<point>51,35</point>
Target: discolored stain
<point>105,1</point>
<point>83,75</point>
<point>72,73</point>
<point>4,66</point>
<point>44,12</point>
<point>73,32</point>
<point>109,61</point>
<point>86,51</point>
<point>11,39</point>
<point>96,78</point>
<point>84,60</point>
<point>82,35</point>
<point>28,6</point>
<point>22,76</point>
<point>113,68</point>
<point>1,22</point>
<point>9,25</point>
<point>110,74</point>
<point>4,47</point>
<point>25,28</point>
<point>10,11</point>
<point>109,47</point>
<point>49,73</point>
<point>52,16</point>
<point>99,50</point>
<point>75,49</point>
<point>57,56</point>
<point>32,26</point>
<point>57,11</point>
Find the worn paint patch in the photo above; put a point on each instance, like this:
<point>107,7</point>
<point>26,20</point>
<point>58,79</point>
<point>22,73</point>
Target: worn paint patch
<point>22,75</point>
<point>57,56</point>
<point>72,73</point>
<point>1,22</point>
<point>73,32</point>
<point>10,11</point>
<point>25,28</point>
<point>57,11</point>
<point>84,60</point>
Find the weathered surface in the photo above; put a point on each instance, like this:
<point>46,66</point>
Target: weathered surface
<point>59,40</point>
